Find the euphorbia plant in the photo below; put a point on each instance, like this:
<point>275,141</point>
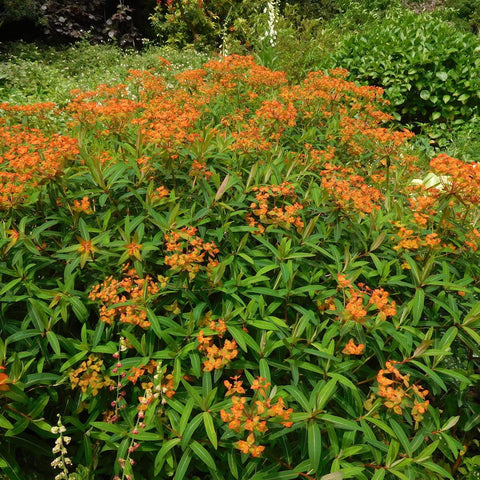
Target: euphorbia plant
<point>233,277</point>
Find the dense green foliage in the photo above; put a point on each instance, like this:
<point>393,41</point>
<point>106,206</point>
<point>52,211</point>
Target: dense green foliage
<point>227,276</point>
<point>430,71</point>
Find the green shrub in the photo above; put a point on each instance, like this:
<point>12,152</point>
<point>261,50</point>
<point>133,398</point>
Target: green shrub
<point>429,70</point>
<point>30,73</point>
<point>225,276</point>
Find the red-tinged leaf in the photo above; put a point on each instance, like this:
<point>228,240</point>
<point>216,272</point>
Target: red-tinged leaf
<point>222,188</point>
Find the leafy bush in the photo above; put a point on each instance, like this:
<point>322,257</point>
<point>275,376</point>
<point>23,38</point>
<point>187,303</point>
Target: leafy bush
<point>30,73</point>
<point>203,23</point>
<point>125,23</point>
<point>227,276</point>
<point>429,70</point>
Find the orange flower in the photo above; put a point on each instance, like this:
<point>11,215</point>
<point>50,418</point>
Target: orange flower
<point>133,249</point>
<point>136,373</point>
<point>4,381</point>
<point>352,349</point>
<point>83,206</point>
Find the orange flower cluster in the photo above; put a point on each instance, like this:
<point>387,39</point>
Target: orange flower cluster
<point>199,170</point>
<point>28,159</point>
<point>473,239</point>
<point>359,135</point>
<point>160,192</point>
<point>217,357</point>
<point>422,207</point>
<point>107,105</point>
<point>82,206</point>
<point>276,116</point>
<point>169,120</point>
<point>191,78</point>
<point>253,419</point>
<point>397,392</point>
<point>4,381</point>
<point>355,308</point>
<point>259,76</point>
<point>269,212</point>
<point>321,96</point>
<point>250,139</point>
<point>190,252</point>
<point>131,289</point>
<point>350,191</point>
<point>16,114</point>
<point>89,376</point>
<point>464,178</point>
<point>352,349</point>
<point>318,158</point>
<point>148,84</point>
<point>379,299</point>
<point>409,241</point>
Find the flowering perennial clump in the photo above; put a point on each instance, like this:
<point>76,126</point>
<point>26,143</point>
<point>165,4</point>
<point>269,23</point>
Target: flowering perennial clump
<point>282,236</point>
<point>90,376</point>
<point>271,207</point>
<point>131,289</point>
<point>190,252</point>
<point>397,392</point>
<point>253,415</point>
<point>217,356</point>
<point>29,159</point>
<point>349,190</point>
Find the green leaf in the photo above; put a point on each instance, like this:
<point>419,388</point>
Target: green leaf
<point>433,467</point>
<point>72,361</point>
<point>325,393</point>
<point>210,429</point>
<point>442,76</point>
<point>379,474</point>
<point>427,452</point>
<point>5,423</point>
<point>430,373</point>
<point>392,453</point>
<point>53,341</point>
<point>190,430</point>
<point>203,455</point>
<point>472,315</point>
<point>333,476</point>
<point>314,445</point>
<point>298,396</point>
<point>340,422</point>
<point>183,464</point>
<point>425,94</point>
<point>187,411</point>
<point>417,304</point>
<point>160,457</point>
<point>401,436</point>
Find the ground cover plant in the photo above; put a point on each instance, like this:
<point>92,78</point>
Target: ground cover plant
<point>228,276</point>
